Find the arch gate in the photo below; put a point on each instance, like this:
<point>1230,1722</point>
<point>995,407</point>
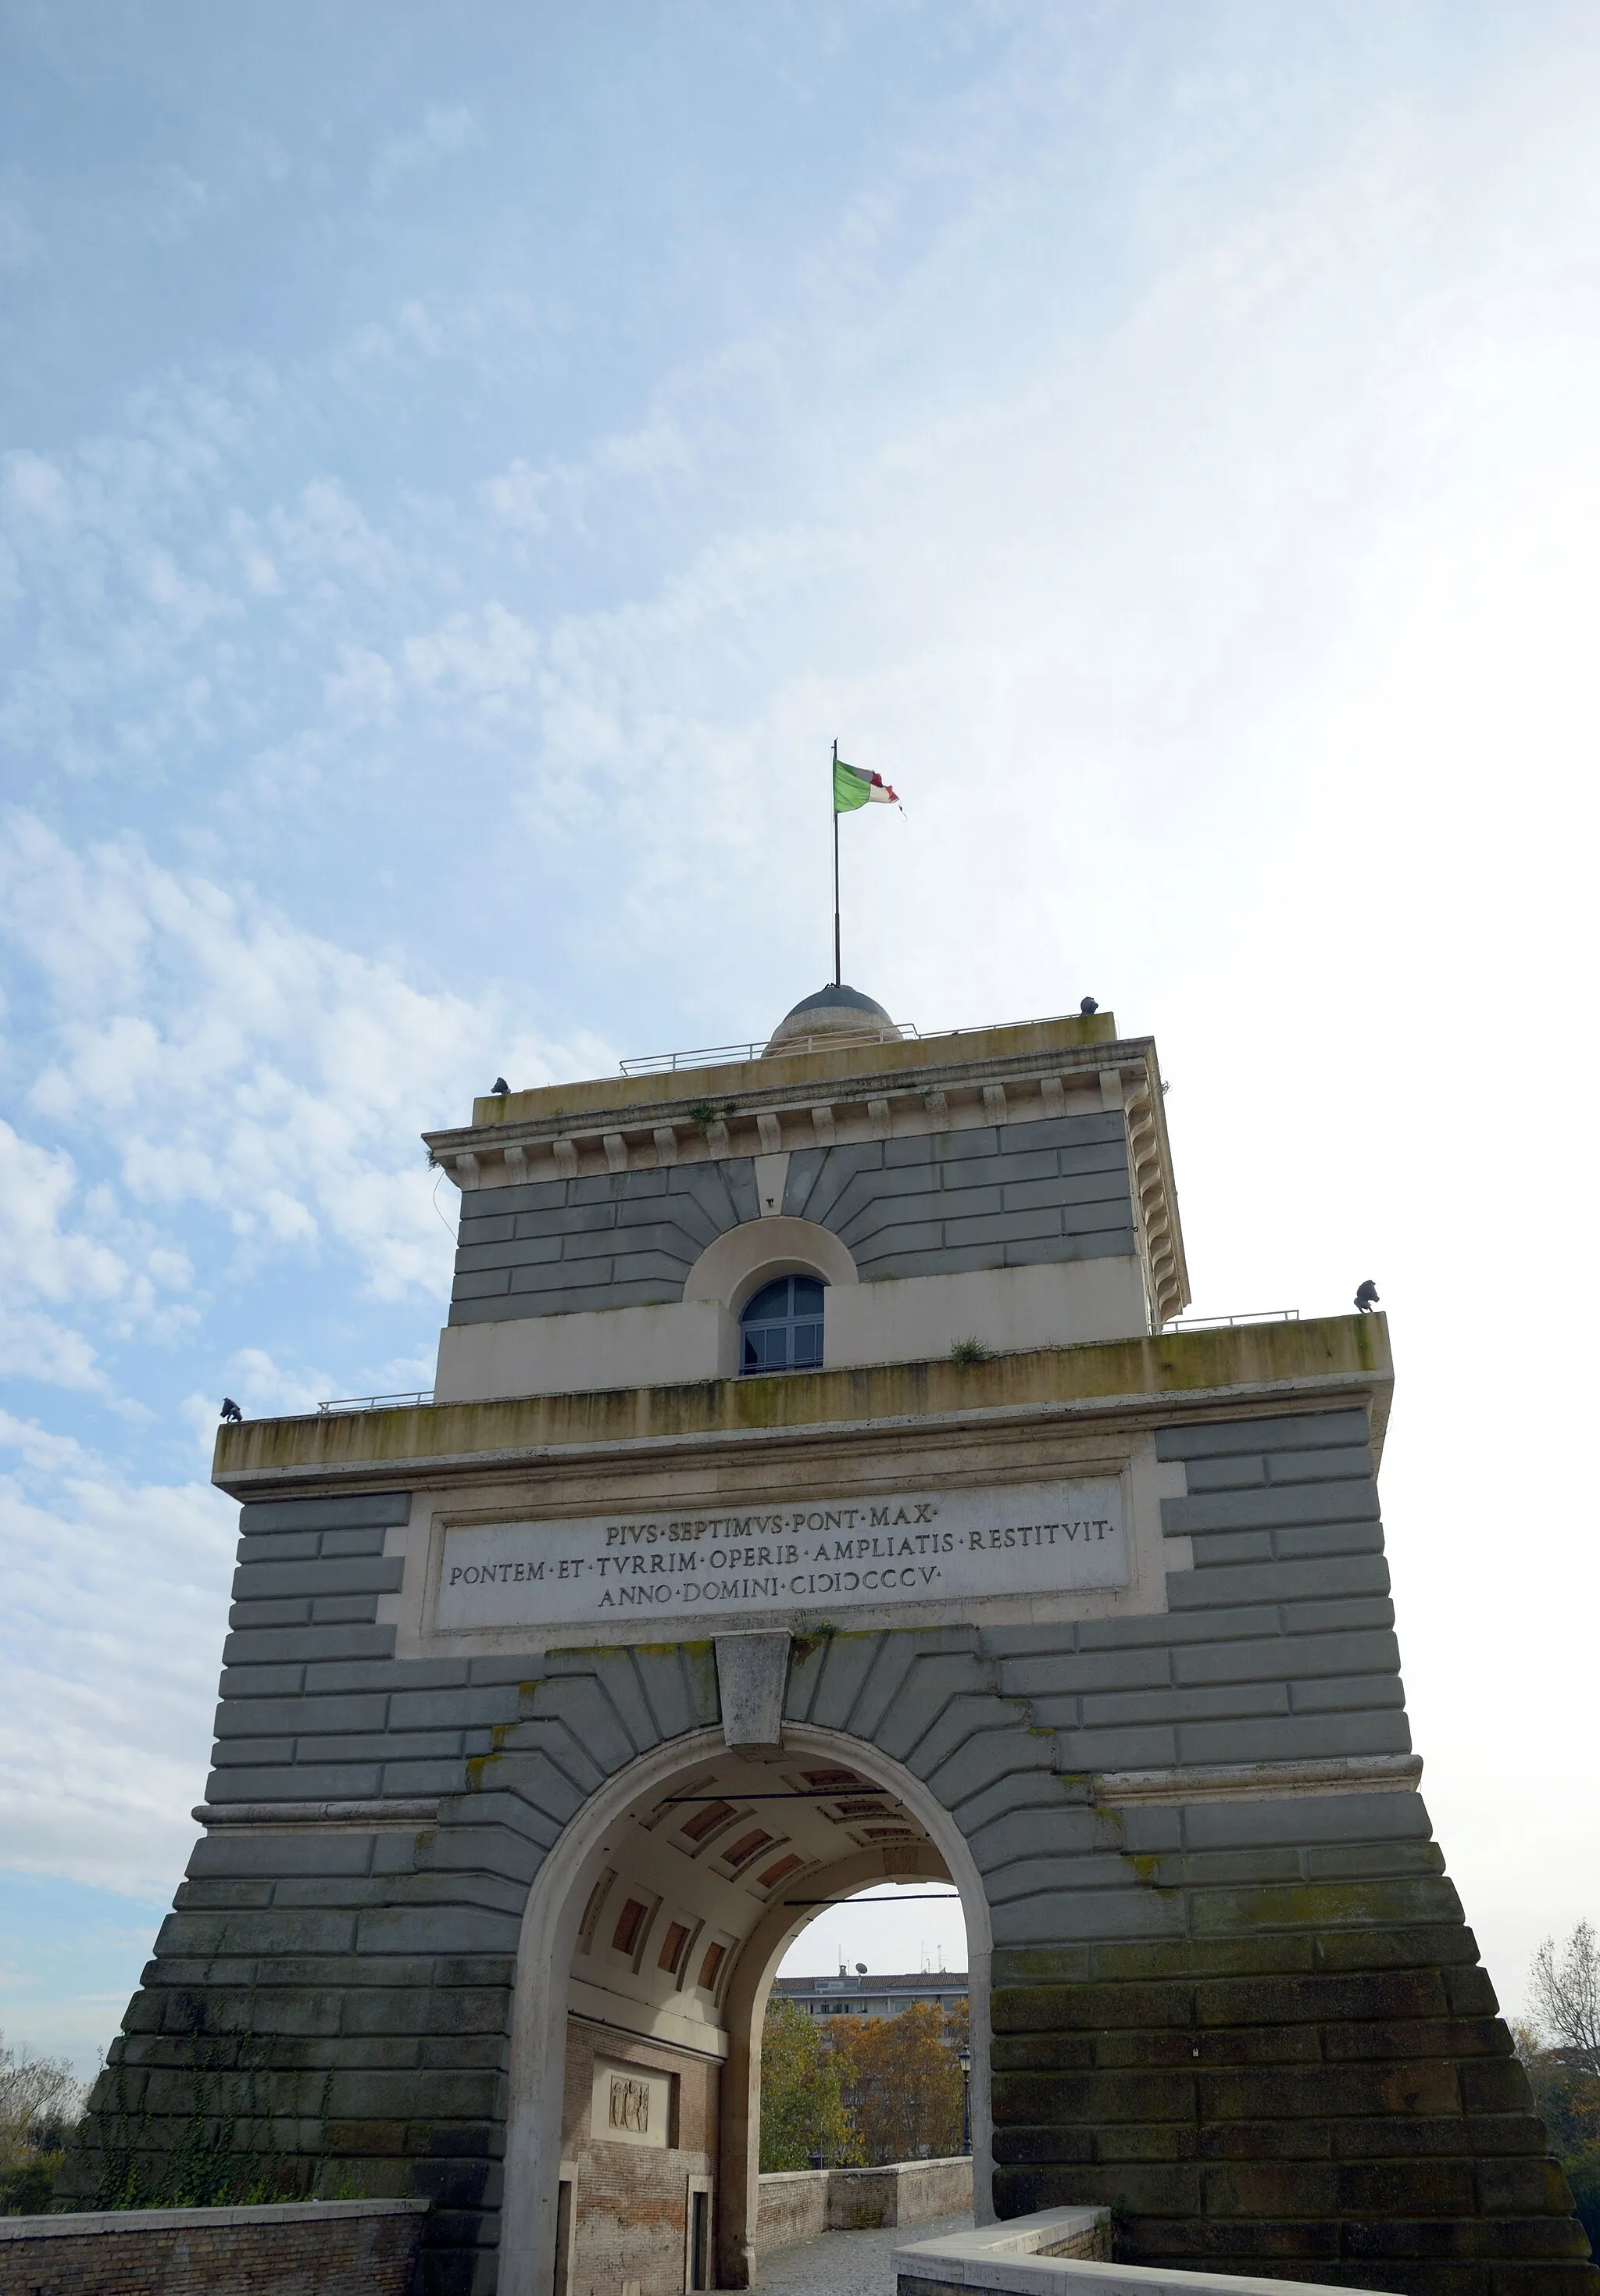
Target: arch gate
<point>822,1782</point>
<point>1019,1587</point>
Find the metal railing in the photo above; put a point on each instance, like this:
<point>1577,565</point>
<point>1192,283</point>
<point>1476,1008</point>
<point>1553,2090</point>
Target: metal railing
<point>375,1402</point>
<point>704,1055</point>
<point>648,1064</point>
<point>1222,1322</point>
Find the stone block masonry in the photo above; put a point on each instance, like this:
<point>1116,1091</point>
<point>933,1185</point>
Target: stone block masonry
<point>331,2248</point>
<point>945,1203</point>
<point>1233,1997</point>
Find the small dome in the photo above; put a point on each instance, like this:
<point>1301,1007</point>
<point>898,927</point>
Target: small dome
<point>834,1011</point>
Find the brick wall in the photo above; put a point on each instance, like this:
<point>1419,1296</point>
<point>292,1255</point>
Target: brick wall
<point>352,2248</point>
<point>631,2210</point>
<point>792,2207</point>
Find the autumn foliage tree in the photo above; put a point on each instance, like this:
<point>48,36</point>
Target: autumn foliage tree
<point>802,2111</point>
<point>900,2079</point>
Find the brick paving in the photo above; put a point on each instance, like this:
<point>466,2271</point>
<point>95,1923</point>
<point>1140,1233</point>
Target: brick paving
<point>845,2263</point>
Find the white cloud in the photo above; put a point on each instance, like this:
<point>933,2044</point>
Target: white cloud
<point>658,446</point>
<point>268,1390</point>
<point>233,1063</point>
<point>40,1347</point>
<point>483,657</point>
<point>327,536</point>
<point>102,1754</point>
<point>44,1260</point>
<point>364,690</point>
<point>39,1259</point>
<point>1198,525</point>
<point>445,130</point>
<point>519,494</point>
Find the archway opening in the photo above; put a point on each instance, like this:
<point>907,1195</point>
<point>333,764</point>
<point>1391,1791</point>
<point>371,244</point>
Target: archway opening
<point>655,1932</point>
<point>867,2044</point>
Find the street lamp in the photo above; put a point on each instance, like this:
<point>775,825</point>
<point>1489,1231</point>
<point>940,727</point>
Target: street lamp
<point>965,2061</point>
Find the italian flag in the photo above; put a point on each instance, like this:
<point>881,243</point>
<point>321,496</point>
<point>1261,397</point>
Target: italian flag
<point>854,786</point>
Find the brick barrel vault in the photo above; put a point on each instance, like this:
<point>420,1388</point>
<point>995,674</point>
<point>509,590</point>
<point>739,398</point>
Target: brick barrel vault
<point>1254,2024</point>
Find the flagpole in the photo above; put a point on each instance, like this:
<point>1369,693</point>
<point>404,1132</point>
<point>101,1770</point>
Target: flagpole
<point>834,801</point>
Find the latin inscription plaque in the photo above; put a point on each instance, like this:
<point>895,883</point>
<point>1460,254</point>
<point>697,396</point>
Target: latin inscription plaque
<point>811,1556</point>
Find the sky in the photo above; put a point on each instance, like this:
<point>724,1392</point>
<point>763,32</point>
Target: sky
<point>461,468</point>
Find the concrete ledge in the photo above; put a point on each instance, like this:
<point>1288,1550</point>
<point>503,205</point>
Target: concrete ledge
<point>92,2223</point>
<point>378,1815</point>
<point>1336,1774</point>
<point>1249,1369</point>
<point>1058,2252</point>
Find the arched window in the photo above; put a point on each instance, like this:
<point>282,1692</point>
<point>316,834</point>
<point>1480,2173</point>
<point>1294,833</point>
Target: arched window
<point>781,1328</point>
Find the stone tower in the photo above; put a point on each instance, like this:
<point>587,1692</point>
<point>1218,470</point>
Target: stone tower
<point>813,1495</point>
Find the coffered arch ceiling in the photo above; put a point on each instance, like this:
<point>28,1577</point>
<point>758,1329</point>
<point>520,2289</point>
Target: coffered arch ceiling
<point>730,1860</point>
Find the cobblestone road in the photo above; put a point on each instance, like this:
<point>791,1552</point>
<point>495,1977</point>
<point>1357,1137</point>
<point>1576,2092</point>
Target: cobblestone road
<point>845,2263</point>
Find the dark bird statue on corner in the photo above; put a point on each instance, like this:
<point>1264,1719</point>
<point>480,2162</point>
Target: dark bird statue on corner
<point>1087,1006</point>
<point>501,1087</point>
<point>230,1409</point>
<point>1367,1298</point>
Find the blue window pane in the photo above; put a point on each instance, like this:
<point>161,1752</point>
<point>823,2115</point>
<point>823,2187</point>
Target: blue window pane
<point>782,1326</point>
<point>771,1303</point>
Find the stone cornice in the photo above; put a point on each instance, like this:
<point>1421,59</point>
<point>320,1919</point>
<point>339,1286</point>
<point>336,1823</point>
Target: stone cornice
<point>849,1068</point>
<point>373,1815</point>
<point>1132,1382</point>
<point>1184,1784</point>
<point>596,1128</point>
<point>809,1112</point>
<point>823,1099</point>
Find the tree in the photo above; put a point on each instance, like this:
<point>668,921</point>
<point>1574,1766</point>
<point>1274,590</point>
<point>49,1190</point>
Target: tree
<point>803,2111</point>
<point>40,2105</point>
<point>1562,2055</point>
<point>902,2082</point>
<point>1566,2098</point>
<point>1566,1996</point>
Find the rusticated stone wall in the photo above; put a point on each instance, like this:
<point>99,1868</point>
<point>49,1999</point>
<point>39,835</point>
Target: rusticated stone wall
<point>1242,2008</point>
<point>1014,1196</point>
<point>1313,2085</point>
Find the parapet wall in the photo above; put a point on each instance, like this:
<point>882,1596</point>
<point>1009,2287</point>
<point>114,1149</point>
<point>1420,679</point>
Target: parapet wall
<point>801,2203</point>
<point>306,2248</point>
